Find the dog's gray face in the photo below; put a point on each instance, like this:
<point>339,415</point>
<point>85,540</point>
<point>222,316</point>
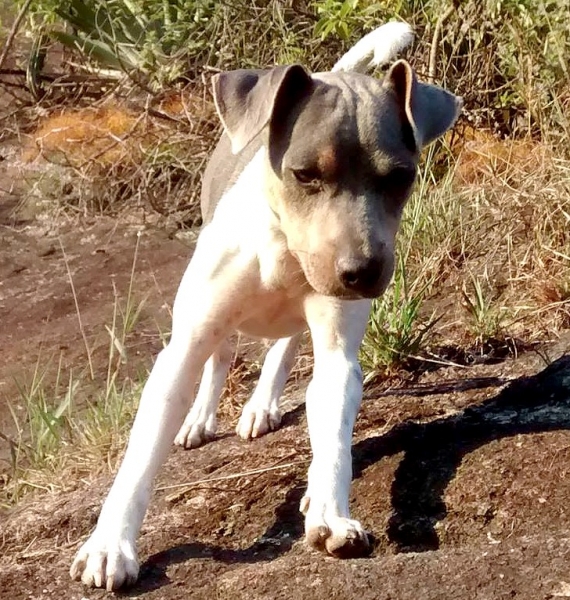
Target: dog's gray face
<point>342,157</point>
<point>341,171</point>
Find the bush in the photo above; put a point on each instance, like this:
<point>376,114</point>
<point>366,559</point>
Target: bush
<point>508,58</point>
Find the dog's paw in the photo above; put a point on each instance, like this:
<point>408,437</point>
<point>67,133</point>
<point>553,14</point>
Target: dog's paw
<point>257,420</point>
<point>108,565</point>
<point>194,433</point>
<point>338,536</point>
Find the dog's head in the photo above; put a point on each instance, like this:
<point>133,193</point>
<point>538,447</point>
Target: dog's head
<point>342,154</point>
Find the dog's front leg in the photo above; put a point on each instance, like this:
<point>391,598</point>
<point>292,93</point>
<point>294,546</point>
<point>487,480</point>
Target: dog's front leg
<point>109,557</point>
<point>204,313</point>
<point>333,399</point>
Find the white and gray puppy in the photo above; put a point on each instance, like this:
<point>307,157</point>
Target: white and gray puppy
<point>301,202</point>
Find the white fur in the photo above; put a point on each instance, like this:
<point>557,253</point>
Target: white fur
<point>261,413</point>
<point>376,48</point>
<point>200,423</point>
<point>333,400</point>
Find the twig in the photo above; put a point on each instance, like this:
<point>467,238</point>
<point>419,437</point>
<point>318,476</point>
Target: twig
<point>13,31</point>
<point>435,42</point>
<point>8,439</point>
<point>192,484</point>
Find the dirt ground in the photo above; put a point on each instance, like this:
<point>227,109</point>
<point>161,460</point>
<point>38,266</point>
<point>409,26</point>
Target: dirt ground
<point>42,314</point>
<point>462,477</point>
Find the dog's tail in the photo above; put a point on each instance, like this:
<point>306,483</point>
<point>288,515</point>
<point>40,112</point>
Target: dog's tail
<point>376,48</point>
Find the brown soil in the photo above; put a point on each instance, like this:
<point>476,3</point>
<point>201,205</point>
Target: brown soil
<point>463,477</point>
<point>39,318</point>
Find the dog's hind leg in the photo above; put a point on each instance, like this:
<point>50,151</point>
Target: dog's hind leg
<point>200,423</point>
<point>261,413</point>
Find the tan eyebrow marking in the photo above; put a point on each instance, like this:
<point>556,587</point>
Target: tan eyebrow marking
<point>328,160</point>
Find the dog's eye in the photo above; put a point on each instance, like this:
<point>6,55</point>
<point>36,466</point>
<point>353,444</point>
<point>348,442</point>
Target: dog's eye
<point>399,178</point>
<point>310,178</point>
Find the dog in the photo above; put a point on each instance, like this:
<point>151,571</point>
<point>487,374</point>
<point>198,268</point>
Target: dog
<point>301,203</point>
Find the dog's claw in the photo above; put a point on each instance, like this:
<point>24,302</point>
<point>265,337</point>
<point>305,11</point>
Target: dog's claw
<point>324,532</point>
<point>345,538</point>
<point>106,565</point>
<point>194,434</point>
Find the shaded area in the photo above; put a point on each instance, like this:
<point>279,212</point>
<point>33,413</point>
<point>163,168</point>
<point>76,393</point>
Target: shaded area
<point>433,451</point>
<point>278,539</point>
<point>445,387</point>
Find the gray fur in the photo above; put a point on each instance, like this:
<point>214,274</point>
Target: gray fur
<point>373,129</point>
<point>362,110</point>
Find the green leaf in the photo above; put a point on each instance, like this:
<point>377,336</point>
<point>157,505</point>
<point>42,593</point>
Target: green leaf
<point>343,31</point>
<point>94,49</point>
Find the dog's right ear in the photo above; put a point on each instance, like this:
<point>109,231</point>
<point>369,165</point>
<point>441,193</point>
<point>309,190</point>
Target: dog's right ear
<point>246,99</point>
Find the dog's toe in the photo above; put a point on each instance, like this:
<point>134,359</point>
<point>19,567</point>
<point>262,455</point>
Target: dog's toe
<point>338,536</point>
<point>107,565</point>
<point>348,540</point>
<point>256,421</point>
<point>193,434</point>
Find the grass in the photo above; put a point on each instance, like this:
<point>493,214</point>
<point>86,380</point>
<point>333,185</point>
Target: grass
<point>396,332</point>
<point>110,159</point>
<point>483,256</point>
<point>62,437</point>
<point>78,425</point>
<point>485,321</point>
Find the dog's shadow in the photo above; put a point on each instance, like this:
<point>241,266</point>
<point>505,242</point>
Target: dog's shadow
<point>286,529</point>
<point>432,452</point>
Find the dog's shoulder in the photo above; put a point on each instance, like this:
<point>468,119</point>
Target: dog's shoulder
<point>222,172</point>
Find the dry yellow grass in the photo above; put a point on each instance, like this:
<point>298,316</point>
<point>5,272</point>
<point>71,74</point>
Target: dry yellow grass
<point>113,134</point>
<point>494,241</point>
<point>117,156</point>
<point>103,135</point>
<point>481,156</point>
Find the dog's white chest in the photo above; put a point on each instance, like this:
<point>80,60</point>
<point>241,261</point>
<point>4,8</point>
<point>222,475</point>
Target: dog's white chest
<point>250,247</point>
<point>275,316</point>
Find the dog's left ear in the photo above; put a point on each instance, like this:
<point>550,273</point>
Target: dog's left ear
<point>427,109</point>
<point>247,99</point>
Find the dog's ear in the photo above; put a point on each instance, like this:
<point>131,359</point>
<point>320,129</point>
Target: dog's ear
<point>428,110</point>
<point>246,99</point>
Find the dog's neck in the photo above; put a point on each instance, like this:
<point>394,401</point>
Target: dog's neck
<point>246,223</point>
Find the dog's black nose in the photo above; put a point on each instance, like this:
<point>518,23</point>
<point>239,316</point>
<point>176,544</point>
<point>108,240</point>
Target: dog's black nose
<point>360,275</point>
